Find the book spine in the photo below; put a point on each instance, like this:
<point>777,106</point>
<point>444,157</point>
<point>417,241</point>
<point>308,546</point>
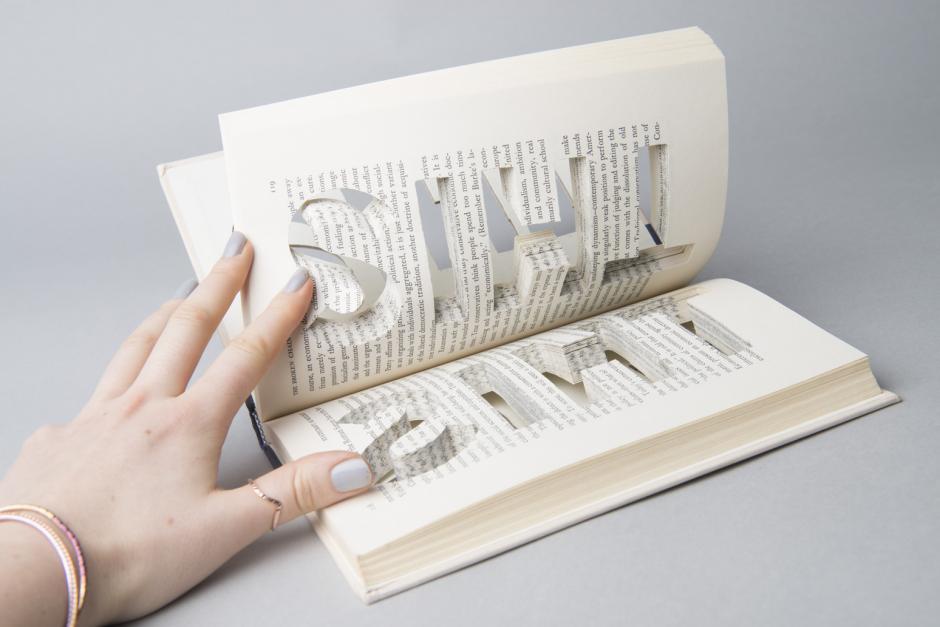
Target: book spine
<point>259,433</point>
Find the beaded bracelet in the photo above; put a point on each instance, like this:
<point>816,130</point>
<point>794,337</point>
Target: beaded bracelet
<point>68,566</point>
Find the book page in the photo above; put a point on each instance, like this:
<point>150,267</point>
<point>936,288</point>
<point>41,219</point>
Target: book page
<point>604,164</point>
<point>450,437</point>
<point>197,194</point>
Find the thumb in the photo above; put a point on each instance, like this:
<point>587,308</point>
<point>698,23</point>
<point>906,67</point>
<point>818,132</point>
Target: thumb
<point>301,486</point>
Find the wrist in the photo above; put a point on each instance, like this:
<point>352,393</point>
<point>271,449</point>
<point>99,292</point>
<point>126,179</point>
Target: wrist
<point>32,586</point>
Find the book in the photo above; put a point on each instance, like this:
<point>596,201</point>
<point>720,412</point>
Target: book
<point>503,323</point>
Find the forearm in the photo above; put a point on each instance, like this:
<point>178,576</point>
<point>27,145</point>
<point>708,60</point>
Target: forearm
<point>32,584</point>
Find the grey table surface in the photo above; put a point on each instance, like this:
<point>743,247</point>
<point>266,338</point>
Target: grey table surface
<point>832,209</point>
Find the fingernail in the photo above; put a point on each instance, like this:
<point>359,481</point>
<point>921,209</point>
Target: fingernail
<point>297,280</point>
<point>185,289</point>
<point>235,246</point>
<point>352,474</point>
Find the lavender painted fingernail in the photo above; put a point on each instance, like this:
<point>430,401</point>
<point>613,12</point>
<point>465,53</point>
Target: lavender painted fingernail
<point>297,281</point>
<point>235,246</point>
<point>185,289</point>
<point>352,474</point>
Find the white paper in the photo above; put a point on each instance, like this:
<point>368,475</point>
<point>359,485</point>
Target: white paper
<point>571,394</point>
<point>531,129</point>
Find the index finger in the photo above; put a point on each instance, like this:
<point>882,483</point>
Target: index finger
<point>232,377</point>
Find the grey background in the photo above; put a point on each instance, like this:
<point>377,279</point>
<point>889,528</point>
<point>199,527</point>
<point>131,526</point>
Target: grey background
<point>832,209</point>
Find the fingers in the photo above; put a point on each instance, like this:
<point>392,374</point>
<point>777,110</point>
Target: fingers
<point>124,367</point>
<point>302,486</point>
<point>177,351</point>
<point>229,381</point>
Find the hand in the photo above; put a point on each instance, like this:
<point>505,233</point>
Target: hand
<point>135,473</point>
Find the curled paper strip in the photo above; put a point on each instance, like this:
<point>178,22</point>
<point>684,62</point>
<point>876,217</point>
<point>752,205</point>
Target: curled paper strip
<point>469,408</point>
<point>409,452</point>
<point>428,446</point>
<point>351,278</point>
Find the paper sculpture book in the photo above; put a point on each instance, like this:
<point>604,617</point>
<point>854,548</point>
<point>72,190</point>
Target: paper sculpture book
<point>503,323</point>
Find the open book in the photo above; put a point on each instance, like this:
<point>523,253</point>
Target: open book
<point>502,323</point>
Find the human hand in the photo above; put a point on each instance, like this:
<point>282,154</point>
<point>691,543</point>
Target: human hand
<point>134,475</point>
